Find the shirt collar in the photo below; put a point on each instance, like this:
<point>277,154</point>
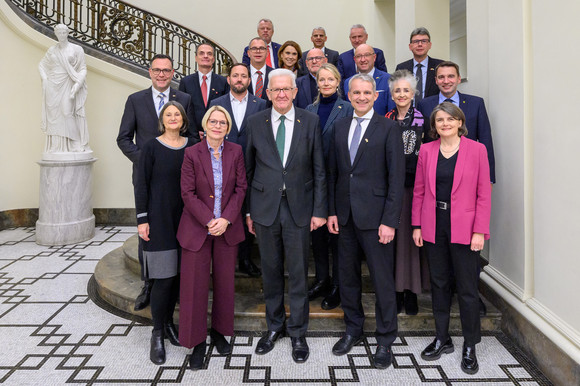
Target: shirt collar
<point>424,62</point>
<point>208,74</point>
<point>368,115</point>
<point>211,148</point>
<point>454,98</point>
<point>254,69</point>
<point>289,115</point>
<point>156,93</point>
<point>234,99</point>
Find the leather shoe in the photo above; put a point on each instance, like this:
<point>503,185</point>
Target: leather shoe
<point>300,350</point>
<point>142,300</point>
<point>320,288</point>
<point>411,306</point>
<point>482,307</point>
<point>332,300</point>
<point>220,342</point>
<point>383,357</point>
<point>248,267</point>
<point>157,350</point>
<point>436,348</point>
<point>196,357</point>
<point>171,333</point>
<point>266,343</point>
<point>469,360</point>
<point>344,344</point>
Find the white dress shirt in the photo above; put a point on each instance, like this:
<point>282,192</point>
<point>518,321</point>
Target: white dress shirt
<point>364,124</point>
<point>239,108</point>
<point>155,93</point>
<point>208,82</point>
<point>288,124</point>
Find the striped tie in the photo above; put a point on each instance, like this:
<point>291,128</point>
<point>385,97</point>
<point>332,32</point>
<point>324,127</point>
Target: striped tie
<point>355,139</point>
<point>259,85</point>
<point>161,102</point>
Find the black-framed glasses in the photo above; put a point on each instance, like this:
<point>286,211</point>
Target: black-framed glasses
<point>422,41</point>
<point>165,71</point>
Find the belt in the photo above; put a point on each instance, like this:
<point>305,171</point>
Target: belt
<point>442,205</point>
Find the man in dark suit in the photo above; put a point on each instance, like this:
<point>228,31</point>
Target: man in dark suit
<point>365,192</point>
<point>346,64</point>
<point>476,119</point>
<point>259,71</point>
<point>318,38</point>
<point>422,65</point>
<point>140,123</point>
<point>286,200</point>
<point>240,104</point>
<point>204,85</point>
<point>307,86</point>
<point>265,31</point>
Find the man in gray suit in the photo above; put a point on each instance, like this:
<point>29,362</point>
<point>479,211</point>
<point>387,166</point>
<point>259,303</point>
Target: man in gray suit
<point>286,200</point>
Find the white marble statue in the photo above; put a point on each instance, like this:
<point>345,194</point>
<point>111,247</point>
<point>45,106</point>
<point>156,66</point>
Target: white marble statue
<point>63,72</point>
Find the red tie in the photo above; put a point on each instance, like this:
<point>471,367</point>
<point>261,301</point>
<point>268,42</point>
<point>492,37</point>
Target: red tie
<point>259,84</point>
<point>204,90</point>
<point>268,59</point>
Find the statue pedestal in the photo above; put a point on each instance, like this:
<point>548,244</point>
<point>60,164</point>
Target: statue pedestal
<point>65,207</point>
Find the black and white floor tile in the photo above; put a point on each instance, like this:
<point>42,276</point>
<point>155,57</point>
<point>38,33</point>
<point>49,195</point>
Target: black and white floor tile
<point>54,331</point>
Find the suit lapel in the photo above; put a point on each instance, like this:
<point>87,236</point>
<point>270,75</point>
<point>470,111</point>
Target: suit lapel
<point>365,139</point>
<point>226,164</point>
<point>336,109</point>
<point>228,107</point>
<point>430,76</point>
<point>460,164</point>
<point>197,90</point>
<point>432,172</point>
<point>148,101</point>
<point>204,157</point>
<point>213,93</point>
<point>269,133</point>
<point>251,109</point>
<point>296,135</point>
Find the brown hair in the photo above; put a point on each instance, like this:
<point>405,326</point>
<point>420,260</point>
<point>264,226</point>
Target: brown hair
<point>454,111</point>
<point>183,127</point>
<point>296,47</point>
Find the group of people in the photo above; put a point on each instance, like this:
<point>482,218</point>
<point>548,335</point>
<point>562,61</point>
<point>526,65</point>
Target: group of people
<point>309,149</point>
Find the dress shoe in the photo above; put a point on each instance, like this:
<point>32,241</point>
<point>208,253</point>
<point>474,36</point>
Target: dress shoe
<point>196,357</point>
<point>248,267</point>
<point>383,357</point>
<point>220,342</point>
<point>411,306</point>
<point>332,300</point>
<point>157,351</point>
<point>469,360</point>
<point>171,333</point>
<point>266,343</point>
<point>400,301</point>
<point>300,350</point>
<point>142,300</point>
<point>320,288</point>
<point>436,348</point>
<point>344,344</point>
<point>482,307</point>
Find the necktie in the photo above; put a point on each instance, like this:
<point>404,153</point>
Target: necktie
<point>281,137</point>
<point>161,102</point>
<point>355,139</point>
<point>259,85</point>
<point>419,75</point>
<point>268,59</point>
<point>449,100</point>
<point>204,90</point>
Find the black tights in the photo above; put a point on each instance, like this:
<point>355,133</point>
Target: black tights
<point>163,299</point>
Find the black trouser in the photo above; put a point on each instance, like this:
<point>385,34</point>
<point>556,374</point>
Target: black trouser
<point>322,241</point>
<point>445,260</point>
<point>163,299</point>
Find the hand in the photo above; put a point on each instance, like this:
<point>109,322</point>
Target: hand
<point>143,230</point>
<point>316,222</point>
<point>217,226</point>
<point>332,224</point>
<point>418,237</point>
<point>250,225</point>
<point>386,234</point>
<point>477,241</point>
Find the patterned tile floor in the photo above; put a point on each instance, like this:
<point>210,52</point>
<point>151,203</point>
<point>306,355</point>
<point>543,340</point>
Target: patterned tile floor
<point>52,332</point>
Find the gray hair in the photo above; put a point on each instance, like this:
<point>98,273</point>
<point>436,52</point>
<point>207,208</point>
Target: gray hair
<point>256,38</point>
<point>364,78</point>
<point>405,75</point>
<point>358,26</point>
<point>266,21</point>
<point>319,28</point>
<point>419,31</point>
<point>279,72</point>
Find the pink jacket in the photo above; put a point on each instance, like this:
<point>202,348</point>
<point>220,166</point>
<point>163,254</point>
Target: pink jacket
<point>470,195</point>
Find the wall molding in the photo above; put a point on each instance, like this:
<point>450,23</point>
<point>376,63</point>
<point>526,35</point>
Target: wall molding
<point>554,320</point>
<point>103,216</point>
<point>505,281</point>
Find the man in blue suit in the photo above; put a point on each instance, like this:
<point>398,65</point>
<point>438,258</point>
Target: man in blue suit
<point>240,104</point>
<point>259,70</point>
<point>307,86</point>
<point>266,31</point>
<point>478,128</point>
<point>346,63</point>
<point>365,58</point>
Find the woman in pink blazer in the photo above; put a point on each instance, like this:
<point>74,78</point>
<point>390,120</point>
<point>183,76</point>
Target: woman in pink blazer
<point>450,214</point>
<point>213,187</point>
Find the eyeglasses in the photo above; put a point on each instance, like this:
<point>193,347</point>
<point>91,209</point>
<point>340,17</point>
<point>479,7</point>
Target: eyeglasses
<point>285,90</point>
<point>422,41</point>
<point>315,58</point>
<point>165,71</point>
<point>215,122</point>
<point>366,56</point>
<point>258,49</point>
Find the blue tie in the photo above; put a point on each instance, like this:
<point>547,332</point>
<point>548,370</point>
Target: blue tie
<point>161,101</point>
<point>355,139</point>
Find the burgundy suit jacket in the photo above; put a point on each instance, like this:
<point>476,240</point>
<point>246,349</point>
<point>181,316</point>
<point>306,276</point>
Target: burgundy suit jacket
<point>197,191</point>
<point>470,194</point>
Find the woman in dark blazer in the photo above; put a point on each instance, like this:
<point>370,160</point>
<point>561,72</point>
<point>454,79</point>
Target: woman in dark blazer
<point>329,107</point>
<point>213,187</point>
<point>451,211</point>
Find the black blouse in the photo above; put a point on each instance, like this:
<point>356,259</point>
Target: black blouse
<point>445,171</point>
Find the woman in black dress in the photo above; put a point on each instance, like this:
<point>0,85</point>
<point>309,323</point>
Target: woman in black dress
<point>159,206</point>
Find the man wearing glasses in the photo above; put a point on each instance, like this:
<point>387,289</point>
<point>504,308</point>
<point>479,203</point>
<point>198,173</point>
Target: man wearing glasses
<point>140,124</point>
<point>286,200</point>
<point>259,70</point>
<point>422,65</point>
<point>265,31</point>
<point>307,87</point>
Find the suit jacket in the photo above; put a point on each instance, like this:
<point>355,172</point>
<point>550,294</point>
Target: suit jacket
<point>476,121</point>
<point>384,102</point>
<point>331,56</point>
<point>430,85</point>
<point>371,189</point>
<point>347,67</point>
<point>470,194</point>
<point>303,174</point>
<point>264,95</point>
<point>140,122</point>
<point>275,49</point>
<point>340,110</point>
<point>198,193</point>
<point>304,95</point>
<point>190,85</point>
<point>239,134</point>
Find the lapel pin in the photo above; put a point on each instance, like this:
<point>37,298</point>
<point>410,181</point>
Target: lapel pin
<point>210,196</point>
<point>298,120</point>
<point>366,140</point>
<point>254,100</point>
<point>340,107</point>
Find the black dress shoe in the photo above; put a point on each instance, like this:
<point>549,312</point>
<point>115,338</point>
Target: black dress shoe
<point>248,267</point>
<point>436,348</point>
<point>482,307</point>
<point>320,288</point>
<point>411,306</point>
<point>171,333</point>
<point>196,357</point>
<point>220,342</point>
<point>300,350</point>
<point>142,300</point>
<point>266,343</point>
<point>383,357</point>
<point>332,300</point>
<point>400,301</point>
<point>469,360</point>
<point>344,344</point>
<point>157,351</point>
